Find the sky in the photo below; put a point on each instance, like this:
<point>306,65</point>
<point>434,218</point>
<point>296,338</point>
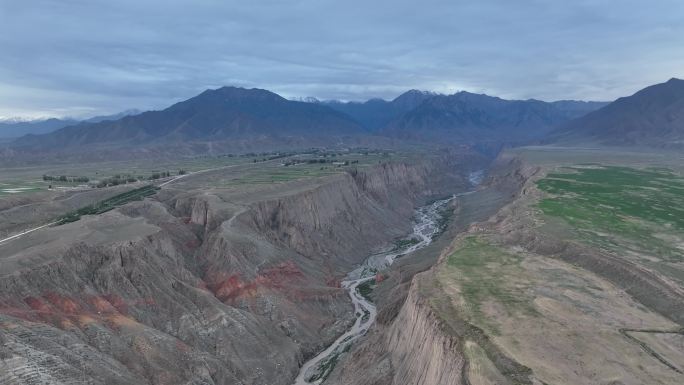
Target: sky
<point>81,58</point>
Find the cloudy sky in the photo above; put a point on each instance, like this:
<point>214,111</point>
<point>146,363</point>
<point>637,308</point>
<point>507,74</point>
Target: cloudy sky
<point>87,57</point>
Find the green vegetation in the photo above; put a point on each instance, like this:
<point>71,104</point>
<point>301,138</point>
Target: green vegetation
<point>108,204</point>
<point>368,271</point>
<point>295,162</point>
<point>119,179</point>
<point>65,178</point>
<point>485,273</point>
<point>366,315</point>
<point>464,326</point>
<point>443,220</point>
<point>269,175</point>
<point>17,187</point>
<point>405,243</point>
<point>20,180</point>
<point>619,208</point>
<point>327,365</point>
<point>366,288</point>
<point>317,163</point>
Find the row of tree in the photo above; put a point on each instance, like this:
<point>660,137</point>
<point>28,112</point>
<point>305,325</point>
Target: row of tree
<point>65,178</point>
<point>318,161</point>
<point>114,180</point>
<point>124,179</point>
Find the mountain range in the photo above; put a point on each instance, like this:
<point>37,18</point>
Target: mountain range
<point>375,114</point>
<point>651,117</point>
<point>471,118</point>
<point>244,116</point>
<point>15,129</point>
<point>224,113</point>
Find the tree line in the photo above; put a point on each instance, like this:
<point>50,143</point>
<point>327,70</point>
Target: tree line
<point>118,179</point>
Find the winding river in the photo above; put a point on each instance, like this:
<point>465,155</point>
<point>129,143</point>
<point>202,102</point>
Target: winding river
<point>426,227</point>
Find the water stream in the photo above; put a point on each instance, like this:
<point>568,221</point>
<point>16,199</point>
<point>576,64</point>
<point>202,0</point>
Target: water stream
<point>426,227</point>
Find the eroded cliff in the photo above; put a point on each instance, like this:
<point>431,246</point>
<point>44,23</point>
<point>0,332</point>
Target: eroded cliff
<point>202,286</point>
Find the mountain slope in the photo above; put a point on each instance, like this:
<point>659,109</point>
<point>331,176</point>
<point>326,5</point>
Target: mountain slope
<point>467,117</point>
<point>653,116</point>
<point>16,129</point>
<point>117,116</point>
<point>375,114</point>
<point>221,114</point>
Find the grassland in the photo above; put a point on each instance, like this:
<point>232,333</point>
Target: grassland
<point>482,272</point>
<point>21,180</point>
<point>523,310</point>
<point>31,178</point>
<point>11,187</point>
<point>564,318</point>
<point>619,208</point>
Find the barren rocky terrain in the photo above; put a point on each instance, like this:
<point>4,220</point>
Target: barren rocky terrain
<point>206,281</point>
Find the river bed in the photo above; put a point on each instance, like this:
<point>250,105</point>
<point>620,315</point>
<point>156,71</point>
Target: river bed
<point>427,225</point>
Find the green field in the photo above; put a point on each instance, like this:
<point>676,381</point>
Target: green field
<point>11,187</point>
<point>483,271</point>
<point>268,168</point>
<point>108,204</point>
<point>278,172</point>
<point>620,208</point>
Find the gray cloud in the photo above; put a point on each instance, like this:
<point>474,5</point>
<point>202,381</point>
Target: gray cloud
<point>84,57</point>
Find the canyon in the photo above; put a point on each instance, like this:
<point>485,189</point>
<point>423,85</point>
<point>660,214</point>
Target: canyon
<point>506,299</point>
<point>413,269</point>
<point>202,283</point>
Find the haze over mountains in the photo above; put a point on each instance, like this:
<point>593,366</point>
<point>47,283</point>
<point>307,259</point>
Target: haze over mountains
<point>233,115</point>
<point>224,113</point>
<point>237,113</point>
<point>15,129</point>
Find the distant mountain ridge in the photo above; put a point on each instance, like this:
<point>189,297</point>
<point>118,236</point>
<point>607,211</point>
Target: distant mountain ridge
<point>15,129</point>
<point>117,116</point>
<point>18,128</point>
<point>220,114</point>
<point>468,117</point>
<point>235,119</point>
<point>375,114</point>
<point>653,116</point>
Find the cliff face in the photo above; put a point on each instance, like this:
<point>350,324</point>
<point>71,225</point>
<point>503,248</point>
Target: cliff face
<point>347,217</point>
<point>525,275</point>
<point>197,288</point>
<point>421,352</point>
<point>412,343</point>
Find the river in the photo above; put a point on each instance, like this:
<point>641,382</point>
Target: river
<point>426,227</point>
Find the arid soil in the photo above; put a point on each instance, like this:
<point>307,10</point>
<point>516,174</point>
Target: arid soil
<point>205,282</point>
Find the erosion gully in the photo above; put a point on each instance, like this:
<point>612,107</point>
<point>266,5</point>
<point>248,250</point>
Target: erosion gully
<point>426,227</point>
